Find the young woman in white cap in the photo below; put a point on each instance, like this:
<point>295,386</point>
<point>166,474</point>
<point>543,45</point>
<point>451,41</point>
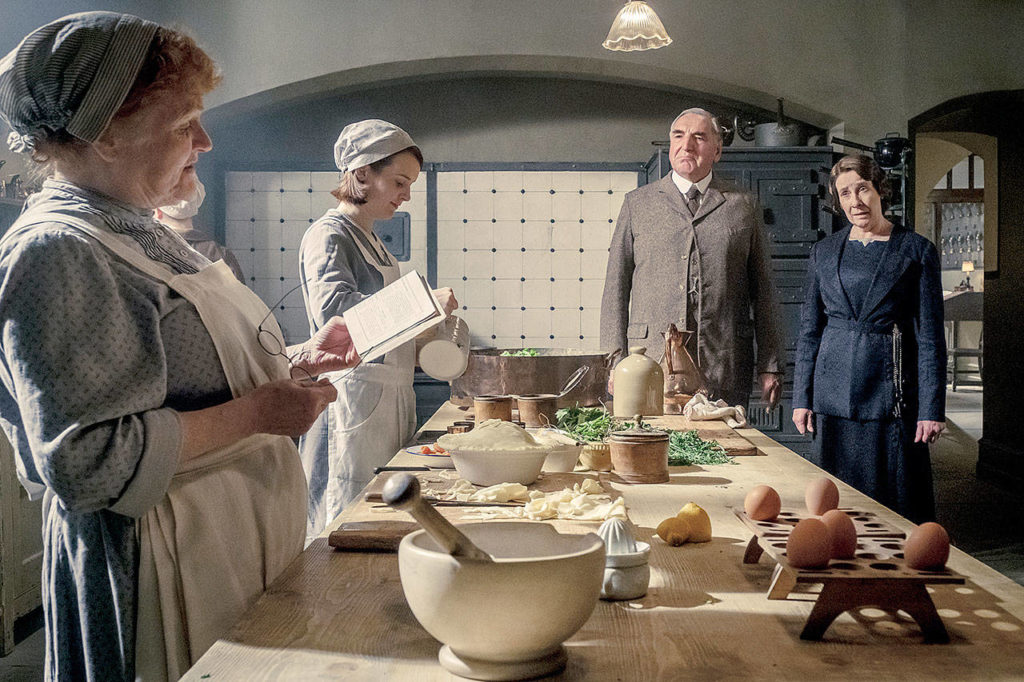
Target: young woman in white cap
<point>341,262</point>
<point>135,384</point>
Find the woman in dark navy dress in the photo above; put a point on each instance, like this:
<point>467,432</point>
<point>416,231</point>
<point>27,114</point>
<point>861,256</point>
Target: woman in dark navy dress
<point>871,356</point>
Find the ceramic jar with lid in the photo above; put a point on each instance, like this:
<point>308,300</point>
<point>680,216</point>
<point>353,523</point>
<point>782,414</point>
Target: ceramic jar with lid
<point>640,455</point>
<point>639,385</point>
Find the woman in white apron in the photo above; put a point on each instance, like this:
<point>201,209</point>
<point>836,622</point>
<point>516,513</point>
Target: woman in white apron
<point>146,391</point>
<point>341,262</point>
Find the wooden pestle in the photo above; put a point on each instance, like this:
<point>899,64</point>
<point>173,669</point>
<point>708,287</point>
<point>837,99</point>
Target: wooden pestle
<point>402,491</point>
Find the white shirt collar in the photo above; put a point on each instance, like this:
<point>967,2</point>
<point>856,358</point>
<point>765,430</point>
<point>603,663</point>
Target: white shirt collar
<point>684,185</point>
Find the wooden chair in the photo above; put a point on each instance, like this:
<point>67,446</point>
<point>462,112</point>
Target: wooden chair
<point>956,371</point>
<point>962,307</point>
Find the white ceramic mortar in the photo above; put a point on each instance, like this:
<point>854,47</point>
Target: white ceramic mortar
<point>504,619</point>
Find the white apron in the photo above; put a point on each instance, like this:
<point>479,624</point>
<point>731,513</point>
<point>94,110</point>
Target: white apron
<point>232,518</point>
<point>374,415</point>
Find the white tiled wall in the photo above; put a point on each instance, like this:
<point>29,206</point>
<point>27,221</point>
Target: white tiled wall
<point>525,251</point>
<point>266,215</point>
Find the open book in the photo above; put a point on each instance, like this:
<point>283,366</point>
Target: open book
<point>397,313</point>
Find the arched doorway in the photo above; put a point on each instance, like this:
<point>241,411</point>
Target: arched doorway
<point>959,213</point>
<point>986,125</point>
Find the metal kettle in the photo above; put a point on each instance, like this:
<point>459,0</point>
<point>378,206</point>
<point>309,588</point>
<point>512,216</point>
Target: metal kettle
<point>890,150</point>
<point>782,133</point>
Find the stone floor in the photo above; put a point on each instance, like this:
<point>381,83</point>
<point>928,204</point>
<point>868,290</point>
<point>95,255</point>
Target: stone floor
<point>982,519</point>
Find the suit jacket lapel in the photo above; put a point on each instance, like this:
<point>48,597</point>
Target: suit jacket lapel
<point>887,274</point>
<point>674,200</point>
<point>674,197</point>
<point>831,252</point>
<point>712,200</point>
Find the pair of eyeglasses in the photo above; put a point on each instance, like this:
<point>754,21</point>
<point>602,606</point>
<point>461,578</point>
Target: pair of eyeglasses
<point>274,345</point>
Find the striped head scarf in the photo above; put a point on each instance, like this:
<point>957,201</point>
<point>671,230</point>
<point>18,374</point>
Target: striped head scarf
<point>72,74</point>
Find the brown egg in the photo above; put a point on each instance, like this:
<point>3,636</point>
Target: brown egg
<point>927,548</point>
<point>762,503</point>
<point>842,533</point>
<point>809,545</point>
<point>821,495</point>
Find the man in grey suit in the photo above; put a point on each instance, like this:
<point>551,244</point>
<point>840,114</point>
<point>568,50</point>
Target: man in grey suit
<point>690,249</point>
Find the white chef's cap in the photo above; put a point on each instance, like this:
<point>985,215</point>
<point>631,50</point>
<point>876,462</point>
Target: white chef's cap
<point>183,210</point>
<point>365,142</point>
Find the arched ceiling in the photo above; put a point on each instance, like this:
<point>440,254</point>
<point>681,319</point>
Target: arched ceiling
<point>760,105</point>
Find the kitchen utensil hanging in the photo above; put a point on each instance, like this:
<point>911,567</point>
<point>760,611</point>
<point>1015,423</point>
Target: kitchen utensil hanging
<point>889,151</point>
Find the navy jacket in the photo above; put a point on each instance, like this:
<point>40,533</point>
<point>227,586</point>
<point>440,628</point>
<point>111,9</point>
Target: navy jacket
<point>845,358</point>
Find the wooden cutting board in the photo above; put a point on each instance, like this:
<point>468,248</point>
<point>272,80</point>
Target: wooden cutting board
<point>370,536</point>
<point>714,429</point>
<point>370,526</point>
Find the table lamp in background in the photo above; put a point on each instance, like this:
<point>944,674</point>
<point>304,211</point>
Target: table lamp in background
<point>967,267</point>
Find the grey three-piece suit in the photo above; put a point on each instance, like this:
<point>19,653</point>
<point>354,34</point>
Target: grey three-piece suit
<point>659,251</point>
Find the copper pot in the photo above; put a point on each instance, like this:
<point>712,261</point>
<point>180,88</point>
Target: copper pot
<point>488,373</point>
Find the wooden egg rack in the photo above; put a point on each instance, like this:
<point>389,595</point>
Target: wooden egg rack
<point>876,576</point>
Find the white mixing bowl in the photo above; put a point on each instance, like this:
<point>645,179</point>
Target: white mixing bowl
<point>491,467</point>
<point>562,457</point>
<point>505,619</point>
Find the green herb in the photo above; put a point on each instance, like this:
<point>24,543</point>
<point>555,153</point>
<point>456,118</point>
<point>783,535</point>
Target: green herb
<point>524,353</point>
<point>593,424</point>
<point>588,424</point>
<point>686,447</point>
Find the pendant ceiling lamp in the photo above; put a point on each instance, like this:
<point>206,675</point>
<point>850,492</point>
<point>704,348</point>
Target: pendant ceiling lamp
<point>636,27</point>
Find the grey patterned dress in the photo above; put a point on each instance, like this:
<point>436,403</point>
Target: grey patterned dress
<point>95,360</point>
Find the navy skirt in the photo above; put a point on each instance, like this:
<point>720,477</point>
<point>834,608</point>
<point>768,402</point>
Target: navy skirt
<point>880,459</point>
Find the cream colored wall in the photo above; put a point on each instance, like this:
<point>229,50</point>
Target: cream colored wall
<point>935,154</point>
<point>961,48</point>
<point>933,158</point>
<point>861,69</point>
<point>832,61</point>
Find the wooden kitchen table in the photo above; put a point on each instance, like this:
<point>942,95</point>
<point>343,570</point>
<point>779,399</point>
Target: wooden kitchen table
<point>342,615</point>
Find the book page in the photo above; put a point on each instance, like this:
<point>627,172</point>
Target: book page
<point>393,315</point>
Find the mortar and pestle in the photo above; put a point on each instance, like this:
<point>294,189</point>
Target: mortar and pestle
<point>501,596</point>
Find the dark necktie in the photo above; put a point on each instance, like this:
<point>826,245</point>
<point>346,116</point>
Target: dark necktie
<point>693,199</point>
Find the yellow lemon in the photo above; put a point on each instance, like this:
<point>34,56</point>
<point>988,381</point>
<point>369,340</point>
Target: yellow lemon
<point>674,530</point>
<point>699,522</point>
